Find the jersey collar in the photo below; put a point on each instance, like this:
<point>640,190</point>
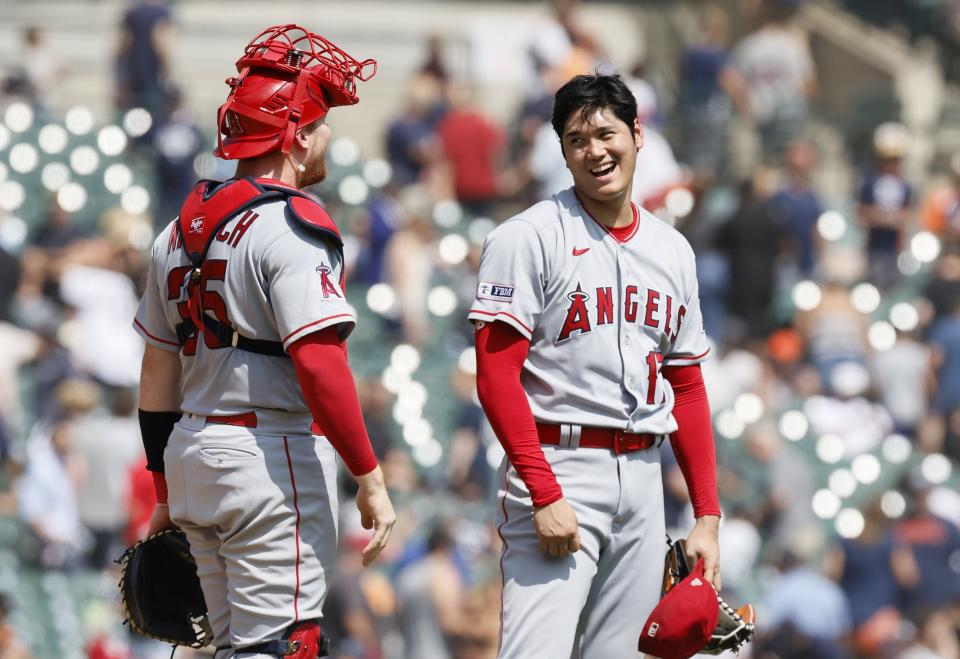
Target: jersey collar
<point>616,234</point>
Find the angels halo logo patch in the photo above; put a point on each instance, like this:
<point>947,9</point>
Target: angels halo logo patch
<point>196,224</point>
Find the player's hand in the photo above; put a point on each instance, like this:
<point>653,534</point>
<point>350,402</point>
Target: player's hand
<point>376,512</point>
<point>160,519</point>
<point>703,543</point>
<point>557,528</point>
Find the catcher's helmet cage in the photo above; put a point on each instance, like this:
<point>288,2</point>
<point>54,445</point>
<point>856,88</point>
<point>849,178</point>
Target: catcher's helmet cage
<point>289,78</point>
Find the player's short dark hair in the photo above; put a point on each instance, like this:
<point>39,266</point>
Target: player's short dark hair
<point>588,93</point>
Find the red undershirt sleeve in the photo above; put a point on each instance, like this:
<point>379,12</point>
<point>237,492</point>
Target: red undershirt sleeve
<point>501,352</point>
<point>693,443</point>
<point>321,364</point>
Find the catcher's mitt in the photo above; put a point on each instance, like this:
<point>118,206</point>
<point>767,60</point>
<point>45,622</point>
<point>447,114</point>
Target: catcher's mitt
<point>734,628</point>
<point>160,591</point>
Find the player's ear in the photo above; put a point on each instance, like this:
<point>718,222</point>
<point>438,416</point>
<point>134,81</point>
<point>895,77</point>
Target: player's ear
<point>638,133</point>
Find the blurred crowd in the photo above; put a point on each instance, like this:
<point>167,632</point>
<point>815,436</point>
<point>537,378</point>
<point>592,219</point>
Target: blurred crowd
<point>836,323</point>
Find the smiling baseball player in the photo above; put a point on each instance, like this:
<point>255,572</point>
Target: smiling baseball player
<point>589,339</point>
<point>245,319</point>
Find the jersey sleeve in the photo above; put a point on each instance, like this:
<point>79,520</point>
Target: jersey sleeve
<point>150,321</point>
<point>689,344</point>
<point>510,282</point>
<point>302,272</point>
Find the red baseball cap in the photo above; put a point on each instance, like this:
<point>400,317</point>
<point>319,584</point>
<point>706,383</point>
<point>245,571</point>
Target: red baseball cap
<point>683,621</point>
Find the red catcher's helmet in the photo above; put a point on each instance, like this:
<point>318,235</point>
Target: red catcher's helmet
<point>289,78</point>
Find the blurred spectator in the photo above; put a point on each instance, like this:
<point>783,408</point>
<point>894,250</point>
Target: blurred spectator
<point>810,604</point>
<point>473,146</point>
<point>469,474</point>
<point>58,230</point>
<point>349,617</point>
<point>935,545</point>
<point>11,646</point>
<point>834,332</point>
<point>144,56</point>
<point>752,240</point>
<point>944,339</point>
<point>177,142</point>
<point>409,263</point>
<point>940,211</point>
<point>46,493</point>
<point>943,288</point>
<point>39,71</point>
<point>431,596</point>
<point>903,379</point>
<point>373,231</point>
<point>9,280</point>
<point>798,206</point>
<point>885,202</point>
<point>411,142</point>
<point>779,75</point>
<point>657,171</point>
<point>434,64</point>
<point>936,636</point>
<point>872,569</point>
<point>376,403</point>
<point>107,446</point>
<point>709,88</point>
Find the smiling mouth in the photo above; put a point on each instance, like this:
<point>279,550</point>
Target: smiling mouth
<point>603,171</point>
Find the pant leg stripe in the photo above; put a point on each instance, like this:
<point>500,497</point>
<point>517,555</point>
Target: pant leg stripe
<point>296,509</point>
<point>503,550</point>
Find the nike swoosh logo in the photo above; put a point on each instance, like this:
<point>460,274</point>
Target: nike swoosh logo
<point>578,252</point>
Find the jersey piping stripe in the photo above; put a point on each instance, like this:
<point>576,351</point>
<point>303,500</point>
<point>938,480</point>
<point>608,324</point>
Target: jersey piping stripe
<point>682,357</point>
<point>296,509</point>
<point>155,338</point>
<point>502,313</point>
<point>316,322</point>
<point>503,552</point>
<point>636,221</point>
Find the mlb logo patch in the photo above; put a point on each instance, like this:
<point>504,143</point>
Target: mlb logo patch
<point>696,582</point>
<point>654,628</point>
<point>495,292</point>
<point>196,224</point>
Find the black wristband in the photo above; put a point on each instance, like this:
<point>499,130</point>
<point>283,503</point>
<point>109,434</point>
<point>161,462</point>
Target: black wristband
<point>155,427</point>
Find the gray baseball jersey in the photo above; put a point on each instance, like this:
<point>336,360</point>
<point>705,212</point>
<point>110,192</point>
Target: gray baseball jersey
<point>258,503</point>
<point>602,316</point>
<point>268,277</point>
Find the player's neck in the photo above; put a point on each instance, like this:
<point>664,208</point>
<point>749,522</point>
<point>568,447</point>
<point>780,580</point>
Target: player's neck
<point>615,214</point>
<point>275,166</point>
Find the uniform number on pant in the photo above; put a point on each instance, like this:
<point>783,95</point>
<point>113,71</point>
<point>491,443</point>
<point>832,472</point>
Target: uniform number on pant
<point>208,300</point>
<point>654,363</point>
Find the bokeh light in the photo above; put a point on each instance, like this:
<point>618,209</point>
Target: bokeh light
<point>84,160</point>
<point>749,407</point>
<point>79,120</point>
<point>849,523</point>
<point>453,249</point>
<point>18,117</point>
<point>925,247</point>
<point>842,483</point>
<point>904,316</point>
<point>405,358</point>
<point>794,425</point>
<point>831,225</point>
<point>893,504</point>
<point>936,468</point>
<point>353,190</point>
<point>447,213</point>
<point>896,449</point>
<point>137,122</point>
<point>117,178</point>
<point>679,202</point>
<point>729,424</point>
<point>54,175</point>
<point>865,298</point>
<point>344,151</point>
<point>441,301</point>
<point>377,172</point>
<point>23,158</point>
<point>135,200</point>
<point>806,295</point>
<point>72,197</point>
<point>12,195</point>
<point>881,336</point>
<point>111,140</point>
<point>866,468</point>
<point>830,449</point>
<point>4,137</point>
<point>826,504</point>
<point>53,139</point>
<point>381,298</point>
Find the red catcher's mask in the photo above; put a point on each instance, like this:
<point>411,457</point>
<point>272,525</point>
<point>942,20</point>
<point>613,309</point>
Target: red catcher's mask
<point>289,78</point>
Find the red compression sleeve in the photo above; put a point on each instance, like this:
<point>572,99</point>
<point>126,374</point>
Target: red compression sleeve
<point>501,351</point>
<point>160,486</point>
<point>327,384</point>
<point>693,443</point>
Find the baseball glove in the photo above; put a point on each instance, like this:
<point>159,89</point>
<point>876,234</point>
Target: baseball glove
<point>160,591</point>
<point>734,627</point>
